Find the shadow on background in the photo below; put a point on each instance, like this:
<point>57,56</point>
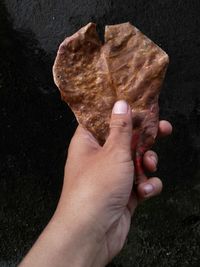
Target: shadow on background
<point>36,127</point>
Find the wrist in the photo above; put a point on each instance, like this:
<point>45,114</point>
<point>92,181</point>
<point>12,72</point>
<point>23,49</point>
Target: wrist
<point>64,244</point>
<point>76,240</point>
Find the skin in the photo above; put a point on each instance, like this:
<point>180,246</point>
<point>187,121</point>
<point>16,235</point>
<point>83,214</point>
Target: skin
<point>93,216</point>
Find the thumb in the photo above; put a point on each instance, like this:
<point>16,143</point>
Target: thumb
<point>120,126</point>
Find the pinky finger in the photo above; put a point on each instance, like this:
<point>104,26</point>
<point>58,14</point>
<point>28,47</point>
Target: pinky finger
<point>152,187</point>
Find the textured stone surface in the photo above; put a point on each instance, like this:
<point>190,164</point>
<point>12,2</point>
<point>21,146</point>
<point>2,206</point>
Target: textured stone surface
<point>92,76</point>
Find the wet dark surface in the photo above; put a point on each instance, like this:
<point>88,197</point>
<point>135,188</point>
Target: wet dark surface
<point>36,126</point>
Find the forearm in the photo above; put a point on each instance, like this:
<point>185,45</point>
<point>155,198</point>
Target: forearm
<point>59,246</point>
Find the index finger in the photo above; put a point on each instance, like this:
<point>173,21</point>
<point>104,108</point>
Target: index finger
<point>164,128</point>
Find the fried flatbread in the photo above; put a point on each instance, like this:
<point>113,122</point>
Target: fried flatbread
<point>92,76</point>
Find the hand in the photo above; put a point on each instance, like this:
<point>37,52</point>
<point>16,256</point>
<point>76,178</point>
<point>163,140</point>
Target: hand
<point>99,180</point>
<point>93,216</point>
<point>150,161</point>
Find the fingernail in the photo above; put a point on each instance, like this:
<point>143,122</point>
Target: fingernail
<point>148,188</point>
<point>120,107</point>
<point>154,161</point>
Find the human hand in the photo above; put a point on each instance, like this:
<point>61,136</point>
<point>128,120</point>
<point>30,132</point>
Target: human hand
<point>93,216</point>
<point>99,180</point>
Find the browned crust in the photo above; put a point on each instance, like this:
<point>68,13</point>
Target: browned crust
<point>92,76</point>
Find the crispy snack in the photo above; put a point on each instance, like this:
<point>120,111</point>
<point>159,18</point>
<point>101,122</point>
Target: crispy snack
<point>92,76</point>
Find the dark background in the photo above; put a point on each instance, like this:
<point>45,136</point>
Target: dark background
<point>36,127</point>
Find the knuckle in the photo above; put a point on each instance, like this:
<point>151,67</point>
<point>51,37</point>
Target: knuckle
<point>118,154</point>
<point>120,124</point>
<point>151,154</point>
<point>157,185</point>
<point>155,157</point>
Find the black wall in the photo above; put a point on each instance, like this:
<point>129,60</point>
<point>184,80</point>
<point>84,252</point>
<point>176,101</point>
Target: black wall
<point>36,127</point>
